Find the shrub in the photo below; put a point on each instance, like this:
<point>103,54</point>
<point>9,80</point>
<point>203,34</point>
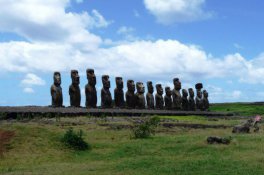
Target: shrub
<point>74,140</point>
<point>146,129</point>
<point>5,138</point>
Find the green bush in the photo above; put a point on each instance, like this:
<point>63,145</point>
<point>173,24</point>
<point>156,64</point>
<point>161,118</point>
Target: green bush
<point>74,140</point>
<point>146,129</point>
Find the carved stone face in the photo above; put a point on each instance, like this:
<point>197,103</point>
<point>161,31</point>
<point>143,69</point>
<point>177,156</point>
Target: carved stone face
<point>150,87</point>
<point>57,78</point>
<point>159,89</point>
<point>168,91</point>
<point>75,77</point>
<point>184,93</point>
<point>191,92</point>
<point>91,77</point>
<point>119,83</point>
<point>205,94</point>
<point>177,84</point>
<point>105,81</point>
<point>199,94</point>
<point>140,88</point>
<point>131,85</point>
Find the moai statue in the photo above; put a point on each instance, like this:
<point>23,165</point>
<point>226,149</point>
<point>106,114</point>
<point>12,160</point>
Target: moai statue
<point>74,89</point>
<point>185,103</point>
<point>168,99</point>
<point>119,93</point>
<point>130,94</point>
<point>176,95</point>
<point>56,91</point>
<point>158,97</point>
<point>106,98</point>
<point>90,89</point>
<point>191,100</point>
<point>140,98</point>
<point>149,96</point>
<point>198,98</point>
<point>205,100</point>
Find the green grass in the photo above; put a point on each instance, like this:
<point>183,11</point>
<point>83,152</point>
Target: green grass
<point>239,108</point>
<point>36,149</point>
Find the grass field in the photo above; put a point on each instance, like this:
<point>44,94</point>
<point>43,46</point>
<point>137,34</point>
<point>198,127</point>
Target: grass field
<point>36,148</point>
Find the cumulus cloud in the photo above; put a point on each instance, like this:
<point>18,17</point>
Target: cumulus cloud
<point>175,11</point>
<point>32,79</point>
<point>48,21</point>
<point>28,90</point>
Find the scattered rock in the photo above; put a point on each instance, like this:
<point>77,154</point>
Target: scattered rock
<point>218,140</point>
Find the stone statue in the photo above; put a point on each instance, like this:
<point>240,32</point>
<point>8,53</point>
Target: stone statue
<point>74,89</point>
<point>198,98</point>
<point>106,98</point>
<point>140,98</point>
<point>119,93</point>
<point>191,100</point>
<point>56,91</point>
<point>205,100</point>
<point>149,96</point>
<point>176,95</point>
<point>168,99</point>
<point>90,90</point>
<point>158,97</point>
<point>185,103</point>
<point>130,94</point>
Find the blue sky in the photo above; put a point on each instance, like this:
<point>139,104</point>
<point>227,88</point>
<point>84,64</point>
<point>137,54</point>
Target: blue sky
<point>218,43</point>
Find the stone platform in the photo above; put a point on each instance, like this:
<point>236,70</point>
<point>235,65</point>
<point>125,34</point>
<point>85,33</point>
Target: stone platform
<point>14,112</point>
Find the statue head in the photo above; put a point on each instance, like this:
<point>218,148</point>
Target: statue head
<point>119,83</point>
<point>75,77</point>
<point>159,89</point>
<point>57,78</point>
<point>150,87</point>
<point>205,94</point>
<point>198,88</point>
<point>191,92</point>
<point>140,88</point>
<point>168,91</point>
<point>177,84</point>
<point>106,82</point>
<point>184,93</point>
<point>91,77</point>
<point>131,86</point>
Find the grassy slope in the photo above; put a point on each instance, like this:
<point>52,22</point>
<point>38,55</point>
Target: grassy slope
<point>239,108</point>
<point>36,150</point>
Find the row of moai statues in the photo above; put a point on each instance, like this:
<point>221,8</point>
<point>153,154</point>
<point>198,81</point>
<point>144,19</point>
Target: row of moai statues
<point>173,99</point>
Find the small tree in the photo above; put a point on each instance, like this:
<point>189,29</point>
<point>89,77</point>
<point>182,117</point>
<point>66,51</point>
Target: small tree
<point>74,140</point>
<point>146,129</point>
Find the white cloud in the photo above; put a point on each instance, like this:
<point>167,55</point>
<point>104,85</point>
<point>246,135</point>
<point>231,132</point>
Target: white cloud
<point>175,11</point>
<point>32,79</point>
<point>125,30</point>
<point>48,21</point>
<point>28,90</point>
<point>236,94</point>
<point>136,13</point>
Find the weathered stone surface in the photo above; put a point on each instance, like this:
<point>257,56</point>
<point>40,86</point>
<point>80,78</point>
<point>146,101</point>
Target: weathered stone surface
<point>90,89</point>
<point>158,97</point>
<point>176,95</point>
<point>185,103</point>
<point>218,140</point>
<point>106,97</point>
<point>140,98</point>
<point>74,89</point>
<point>168,98</point>
<point>205,100</point>
<point>149,96</point>
<point>191,100</point>
<point>130,94</point>
<point>119,93</point>
<point>198,98</point>
<point>56,91</point>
